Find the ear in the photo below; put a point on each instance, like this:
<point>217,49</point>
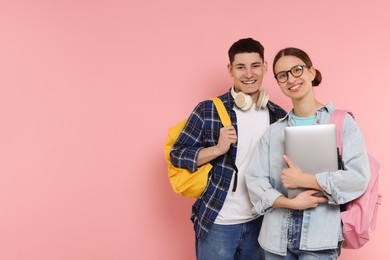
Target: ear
<point>265,66</point>
<point>313,73</point>
<point>230,68</point>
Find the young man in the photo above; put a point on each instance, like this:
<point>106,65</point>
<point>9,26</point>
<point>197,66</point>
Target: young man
<point>225,225</point>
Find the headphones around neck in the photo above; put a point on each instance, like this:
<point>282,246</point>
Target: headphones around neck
<point>244,101</point>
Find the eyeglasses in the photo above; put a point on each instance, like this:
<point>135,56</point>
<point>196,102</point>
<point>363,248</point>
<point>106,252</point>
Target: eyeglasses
<point>296,71</point>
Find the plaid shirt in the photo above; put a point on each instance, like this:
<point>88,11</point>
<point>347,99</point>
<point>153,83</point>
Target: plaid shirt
<point>202,130</point>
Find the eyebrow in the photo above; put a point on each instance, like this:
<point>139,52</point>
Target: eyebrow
<point>254,63</point>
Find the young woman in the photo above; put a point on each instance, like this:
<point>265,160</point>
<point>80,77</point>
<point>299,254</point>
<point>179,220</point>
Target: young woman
<point>307,226</point>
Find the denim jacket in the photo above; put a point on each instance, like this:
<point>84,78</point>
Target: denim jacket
<point>321,226</point>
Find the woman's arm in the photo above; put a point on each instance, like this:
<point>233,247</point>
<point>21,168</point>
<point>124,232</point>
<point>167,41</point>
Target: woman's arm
<point>303,200</point>
<point>343,186</point>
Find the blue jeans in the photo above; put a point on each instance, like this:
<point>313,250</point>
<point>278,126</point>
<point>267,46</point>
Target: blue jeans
<point>231,242</point>
<point>294,239</point>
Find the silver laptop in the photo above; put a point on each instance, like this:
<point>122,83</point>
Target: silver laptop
<point>313,148</point>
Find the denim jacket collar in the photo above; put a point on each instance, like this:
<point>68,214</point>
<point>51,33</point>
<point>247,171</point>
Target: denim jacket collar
<point>328,108</point>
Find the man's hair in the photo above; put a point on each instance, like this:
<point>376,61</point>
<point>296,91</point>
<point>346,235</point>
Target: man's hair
<point>246,45</point>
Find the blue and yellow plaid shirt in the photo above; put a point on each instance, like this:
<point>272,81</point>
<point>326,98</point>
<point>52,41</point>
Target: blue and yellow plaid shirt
<point>202,130</point>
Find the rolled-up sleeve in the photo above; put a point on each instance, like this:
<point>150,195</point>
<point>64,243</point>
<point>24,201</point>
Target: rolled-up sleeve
<point>184,152</point>
<point>261,192</point>
<point>343,186</point>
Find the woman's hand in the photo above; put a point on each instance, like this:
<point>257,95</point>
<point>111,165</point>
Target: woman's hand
<point>303,200</point>
<point>293,177</point>
<point>306,199</point>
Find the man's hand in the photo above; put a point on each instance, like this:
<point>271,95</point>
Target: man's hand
<point>227,137</point>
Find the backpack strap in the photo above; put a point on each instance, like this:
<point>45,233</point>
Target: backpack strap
<point>337,118</point>
<point>225,118</point>
<point>223,114</point>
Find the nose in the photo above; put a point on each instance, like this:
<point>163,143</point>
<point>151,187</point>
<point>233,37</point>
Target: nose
<point>248,73</point>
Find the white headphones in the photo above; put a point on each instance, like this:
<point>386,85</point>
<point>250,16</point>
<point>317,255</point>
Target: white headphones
<point>244,101</point>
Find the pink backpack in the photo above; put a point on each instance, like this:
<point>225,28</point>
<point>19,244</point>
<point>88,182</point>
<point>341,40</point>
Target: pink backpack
<point>359,218</point>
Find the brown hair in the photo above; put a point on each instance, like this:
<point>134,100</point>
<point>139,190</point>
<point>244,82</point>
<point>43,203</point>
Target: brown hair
<point>247,45</point>
<point>300,54</point>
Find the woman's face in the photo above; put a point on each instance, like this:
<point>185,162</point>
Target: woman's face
<point>295,87</point>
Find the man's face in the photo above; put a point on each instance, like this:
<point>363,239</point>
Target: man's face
<point>247,70</point>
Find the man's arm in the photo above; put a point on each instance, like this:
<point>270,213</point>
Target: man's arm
<point>227,137</point>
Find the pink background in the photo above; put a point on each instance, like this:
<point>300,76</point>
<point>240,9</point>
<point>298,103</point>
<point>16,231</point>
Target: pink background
<point>90,87</point>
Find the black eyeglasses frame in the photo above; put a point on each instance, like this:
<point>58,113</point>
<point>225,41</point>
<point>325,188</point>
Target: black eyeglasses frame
<point>291,72</point>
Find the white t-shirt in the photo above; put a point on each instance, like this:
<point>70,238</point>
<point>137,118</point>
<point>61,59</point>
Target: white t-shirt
<point>252,124</point>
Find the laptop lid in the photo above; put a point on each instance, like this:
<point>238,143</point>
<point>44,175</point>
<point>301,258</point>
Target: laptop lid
<point>313,148</point>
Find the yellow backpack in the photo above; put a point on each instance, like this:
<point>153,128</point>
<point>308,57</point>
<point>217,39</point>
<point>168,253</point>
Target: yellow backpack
<point>184,182</point>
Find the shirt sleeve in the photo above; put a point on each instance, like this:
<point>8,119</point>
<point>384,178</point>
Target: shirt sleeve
<point>184,152</point>
<point>261,192</point>
<point>343,186</point>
